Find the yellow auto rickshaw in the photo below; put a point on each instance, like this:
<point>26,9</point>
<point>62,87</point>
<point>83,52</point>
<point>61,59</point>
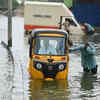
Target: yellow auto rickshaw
<point>49,54</point>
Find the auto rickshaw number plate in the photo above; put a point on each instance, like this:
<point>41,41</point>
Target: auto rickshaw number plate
<point>50,67</point>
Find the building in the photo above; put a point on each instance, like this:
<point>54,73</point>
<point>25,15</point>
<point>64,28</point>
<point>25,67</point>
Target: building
<point>87,10</point>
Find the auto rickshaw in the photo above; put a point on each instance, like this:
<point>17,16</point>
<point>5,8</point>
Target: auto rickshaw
<point>49,54</point>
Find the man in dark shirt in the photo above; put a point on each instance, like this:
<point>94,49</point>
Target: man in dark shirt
<point>89,30</point>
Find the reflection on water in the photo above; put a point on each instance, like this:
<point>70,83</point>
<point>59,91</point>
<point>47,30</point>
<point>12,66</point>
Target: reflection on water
<point>49,90</point>
<point>6,74</point>
<point>87,81</point>
<point>88,88</point>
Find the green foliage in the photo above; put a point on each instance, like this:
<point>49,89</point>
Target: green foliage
<point>4,3</point>
<point>68,3</point>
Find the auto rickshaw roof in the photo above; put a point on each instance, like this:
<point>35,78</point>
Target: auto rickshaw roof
<point>35,32</point>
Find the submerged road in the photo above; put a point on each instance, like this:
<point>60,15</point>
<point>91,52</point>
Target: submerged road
<point>15,82</point>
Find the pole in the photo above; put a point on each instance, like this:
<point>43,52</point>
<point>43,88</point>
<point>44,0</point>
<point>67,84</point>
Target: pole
<point>9,23</point>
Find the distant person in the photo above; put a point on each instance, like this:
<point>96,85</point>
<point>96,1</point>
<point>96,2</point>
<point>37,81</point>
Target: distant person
<point>88,59</point>
<point>66,25</point>
<point>88,29</point>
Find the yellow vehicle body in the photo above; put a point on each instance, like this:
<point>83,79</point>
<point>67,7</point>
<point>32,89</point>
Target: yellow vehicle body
<point>49,66</point>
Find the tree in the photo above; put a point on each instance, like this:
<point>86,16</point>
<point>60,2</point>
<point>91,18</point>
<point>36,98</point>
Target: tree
<point>4,4</point>
<point>68,3</point>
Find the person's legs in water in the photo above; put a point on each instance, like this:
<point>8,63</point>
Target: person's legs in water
<point>86,70</point>
<point>70,42</point>
<point>94,70</point>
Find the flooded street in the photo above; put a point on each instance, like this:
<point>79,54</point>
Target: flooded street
<point>15,82</point>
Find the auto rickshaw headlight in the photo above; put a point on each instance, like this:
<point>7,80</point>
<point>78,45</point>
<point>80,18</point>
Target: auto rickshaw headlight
<point>61,67</point>
<point>38,66</point>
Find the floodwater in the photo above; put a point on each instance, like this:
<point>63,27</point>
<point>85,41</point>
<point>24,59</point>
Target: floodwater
<point>15,82</point>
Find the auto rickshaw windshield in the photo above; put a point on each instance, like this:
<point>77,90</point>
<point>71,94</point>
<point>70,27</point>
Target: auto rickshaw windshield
<point>50,46</point>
